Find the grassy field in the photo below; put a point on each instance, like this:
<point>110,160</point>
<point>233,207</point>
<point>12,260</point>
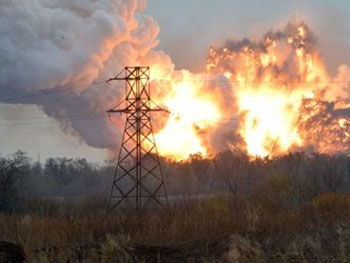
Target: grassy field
<point>230,208</point>
<point>218,229</point>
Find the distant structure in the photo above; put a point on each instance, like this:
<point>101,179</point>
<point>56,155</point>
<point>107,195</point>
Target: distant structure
<point>138,179</point>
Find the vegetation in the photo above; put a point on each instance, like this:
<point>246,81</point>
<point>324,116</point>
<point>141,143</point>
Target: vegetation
<point>228,209</point>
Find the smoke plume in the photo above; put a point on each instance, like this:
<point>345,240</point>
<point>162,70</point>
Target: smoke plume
<point>266,97</point>
<point>57,54</point>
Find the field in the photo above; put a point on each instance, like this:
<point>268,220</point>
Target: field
<point>264,211</point>
<point>214,230</point>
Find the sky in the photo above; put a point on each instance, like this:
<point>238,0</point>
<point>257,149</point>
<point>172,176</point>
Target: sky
<point>187,29</point>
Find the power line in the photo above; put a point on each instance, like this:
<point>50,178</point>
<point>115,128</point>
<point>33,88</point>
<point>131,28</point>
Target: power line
<point>256,81</point>
<point>58,117</point>
<point>43,92</point>
<point>38,94</point>
<point>51,121</point>
<point>54,91</point>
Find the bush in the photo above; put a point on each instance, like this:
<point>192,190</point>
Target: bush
<point>11,173</point>
<point>332,206</point>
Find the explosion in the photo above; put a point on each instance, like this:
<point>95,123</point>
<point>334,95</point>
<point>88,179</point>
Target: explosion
<point>192,114</point>
<point>278,90</point>
<point>265,97</point>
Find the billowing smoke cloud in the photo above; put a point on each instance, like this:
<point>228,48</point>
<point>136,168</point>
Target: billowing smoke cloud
<point>57,54</point>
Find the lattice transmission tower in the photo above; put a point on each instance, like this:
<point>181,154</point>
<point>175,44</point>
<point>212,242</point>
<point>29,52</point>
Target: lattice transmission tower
<point>138,179</point>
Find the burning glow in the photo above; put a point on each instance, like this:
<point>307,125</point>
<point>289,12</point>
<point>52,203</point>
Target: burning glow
<point>267,98</point>
<point>190,116</point>
<point>268,123</point>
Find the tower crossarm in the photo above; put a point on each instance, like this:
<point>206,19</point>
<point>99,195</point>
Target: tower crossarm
<point>127,110</point>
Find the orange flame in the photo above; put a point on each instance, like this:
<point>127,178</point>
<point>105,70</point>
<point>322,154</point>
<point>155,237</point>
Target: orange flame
<point>265,88</point>
<point>191,114</point>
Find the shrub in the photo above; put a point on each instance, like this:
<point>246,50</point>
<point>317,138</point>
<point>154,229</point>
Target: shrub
<point>333,206</point>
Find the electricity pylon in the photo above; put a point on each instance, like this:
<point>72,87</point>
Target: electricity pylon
<point>138,179</point>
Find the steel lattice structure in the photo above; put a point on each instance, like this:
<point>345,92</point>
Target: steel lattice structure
<point>138,178</point>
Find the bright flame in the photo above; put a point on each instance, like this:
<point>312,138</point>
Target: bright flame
<point>268,123</point>
<point>267,98</point>
<point>190,116</point>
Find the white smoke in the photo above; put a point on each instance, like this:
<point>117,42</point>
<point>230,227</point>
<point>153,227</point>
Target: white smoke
<point>57,54</point>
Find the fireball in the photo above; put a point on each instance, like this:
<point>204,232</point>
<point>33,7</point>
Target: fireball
<point>274,90</point>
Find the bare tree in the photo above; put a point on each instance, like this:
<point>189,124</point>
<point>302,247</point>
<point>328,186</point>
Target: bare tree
<point>12,171</point>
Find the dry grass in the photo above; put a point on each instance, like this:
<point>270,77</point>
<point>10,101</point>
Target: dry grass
<point>98,235</point>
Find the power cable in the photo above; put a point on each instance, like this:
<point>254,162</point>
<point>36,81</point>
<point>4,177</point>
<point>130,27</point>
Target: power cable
<point>255,81</point>
<point>43,92</point>
<point>54,91</point>
<point>49,121</point>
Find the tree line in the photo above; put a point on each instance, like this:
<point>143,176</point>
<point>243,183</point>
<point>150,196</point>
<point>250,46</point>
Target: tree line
<point>295,178</point>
